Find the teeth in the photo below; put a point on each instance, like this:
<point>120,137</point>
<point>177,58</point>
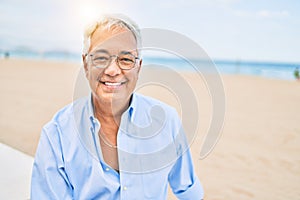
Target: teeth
<point>112,84</point>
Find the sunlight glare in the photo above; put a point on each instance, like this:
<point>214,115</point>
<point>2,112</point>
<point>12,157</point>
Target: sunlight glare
<point>88,13</point>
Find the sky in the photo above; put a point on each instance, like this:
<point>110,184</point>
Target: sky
<point>251,30</point>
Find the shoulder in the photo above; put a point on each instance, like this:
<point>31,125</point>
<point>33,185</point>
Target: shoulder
<point>69,111</point>
<point>149,109</point>
<point>149,102</point>
<point>150,117</point>
<point>66,116</point>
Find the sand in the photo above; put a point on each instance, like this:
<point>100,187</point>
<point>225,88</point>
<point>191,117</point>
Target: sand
<point>257,156</point>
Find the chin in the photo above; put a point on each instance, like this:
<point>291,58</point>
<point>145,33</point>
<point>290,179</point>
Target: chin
<point>111,97</point>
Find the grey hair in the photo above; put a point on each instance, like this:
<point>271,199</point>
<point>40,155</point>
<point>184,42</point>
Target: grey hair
<point>108,22</point>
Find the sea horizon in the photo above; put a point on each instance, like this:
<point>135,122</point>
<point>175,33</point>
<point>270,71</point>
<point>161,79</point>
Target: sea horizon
<point>269,69</point>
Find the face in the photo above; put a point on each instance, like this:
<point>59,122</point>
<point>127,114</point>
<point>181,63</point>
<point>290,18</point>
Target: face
<point>112,83</point>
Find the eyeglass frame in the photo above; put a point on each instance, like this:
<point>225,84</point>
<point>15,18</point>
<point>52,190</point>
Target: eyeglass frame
<point>110,59</point>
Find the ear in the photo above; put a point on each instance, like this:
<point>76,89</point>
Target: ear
<point>84,61</point>
<point>140,65</point>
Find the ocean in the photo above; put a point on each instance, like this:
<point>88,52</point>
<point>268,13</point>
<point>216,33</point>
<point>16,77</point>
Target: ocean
<point>273,70</point>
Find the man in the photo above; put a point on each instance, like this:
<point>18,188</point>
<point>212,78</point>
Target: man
<point>114,144</point>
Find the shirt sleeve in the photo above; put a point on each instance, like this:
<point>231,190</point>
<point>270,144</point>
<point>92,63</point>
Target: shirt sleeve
<point>49,180</point>
<point>182,178</point>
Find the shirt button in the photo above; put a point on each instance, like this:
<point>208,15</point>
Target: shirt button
<point>107,169</point>
<point>125,188</point>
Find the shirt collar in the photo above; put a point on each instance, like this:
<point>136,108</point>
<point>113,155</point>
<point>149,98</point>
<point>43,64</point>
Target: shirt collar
<point>91,109</point>
<point>131,109</point>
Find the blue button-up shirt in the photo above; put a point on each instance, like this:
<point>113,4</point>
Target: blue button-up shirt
<point>152,152</point>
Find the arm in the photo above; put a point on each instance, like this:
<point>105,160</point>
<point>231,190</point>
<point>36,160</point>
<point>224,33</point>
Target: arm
<point>49,180</point>
<point>182,178</point>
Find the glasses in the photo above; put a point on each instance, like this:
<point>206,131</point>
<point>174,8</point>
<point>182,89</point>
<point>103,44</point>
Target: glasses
<point>125,60</point>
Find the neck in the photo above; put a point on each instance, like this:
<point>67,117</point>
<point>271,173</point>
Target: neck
<point>109,110</point>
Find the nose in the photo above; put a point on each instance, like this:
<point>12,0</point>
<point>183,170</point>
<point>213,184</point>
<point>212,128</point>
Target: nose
<point>112,69</point>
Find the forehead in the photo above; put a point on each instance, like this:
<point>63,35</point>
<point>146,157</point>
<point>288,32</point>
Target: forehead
<point>114,40</point>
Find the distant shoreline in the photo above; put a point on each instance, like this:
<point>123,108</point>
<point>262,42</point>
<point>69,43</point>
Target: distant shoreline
<point>273,70</point>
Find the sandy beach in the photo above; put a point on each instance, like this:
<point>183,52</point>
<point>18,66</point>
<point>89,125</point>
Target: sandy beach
<point>257,156</point>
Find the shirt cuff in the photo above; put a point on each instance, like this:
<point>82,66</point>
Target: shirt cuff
<point>194,192</point>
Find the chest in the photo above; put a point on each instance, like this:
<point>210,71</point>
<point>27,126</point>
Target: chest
<point>109,153</point>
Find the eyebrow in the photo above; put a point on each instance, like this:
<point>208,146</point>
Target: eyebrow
<point>101,51</point>
<point>105,51</point>
<point>127,52</point>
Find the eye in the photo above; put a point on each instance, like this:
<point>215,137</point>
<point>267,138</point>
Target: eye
<point>101,58</point>
<point>126,60</point>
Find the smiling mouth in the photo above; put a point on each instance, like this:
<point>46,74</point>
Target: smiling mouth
<point>112,84</point>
